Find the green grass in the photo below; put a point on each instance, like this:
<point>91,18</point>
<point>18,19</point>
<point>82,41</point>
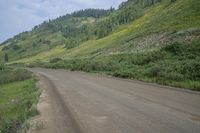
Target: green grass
<point>10,75</point>
<point>18,98</point>
<point>17,103</point>
<point>175,65</point>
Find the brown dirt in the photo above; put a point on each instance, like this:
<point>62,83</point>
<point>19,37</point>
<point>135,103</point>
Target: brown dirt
<point>77,102</point>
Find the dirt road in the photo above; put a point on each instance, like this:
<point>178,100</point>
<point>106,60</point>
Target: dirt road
<point>77,102</point>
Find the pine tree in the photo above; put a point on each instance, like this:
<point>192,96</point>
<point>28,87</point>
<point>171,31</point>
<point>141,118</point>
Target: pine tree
<point>6,57</point>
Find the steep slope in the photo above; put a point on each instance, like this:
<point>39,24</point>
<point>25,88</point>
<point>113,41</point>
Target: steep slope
<point>73,29</point>
<point>51,33</point>
<point>166,21</point>
<point>150,40</point>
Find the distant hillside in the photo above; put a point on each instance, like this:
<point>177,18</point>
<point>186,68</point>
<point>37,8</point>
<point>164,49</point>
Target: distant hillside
<point>52,33</point>
<point>73,29</point>
<point>150,40</point>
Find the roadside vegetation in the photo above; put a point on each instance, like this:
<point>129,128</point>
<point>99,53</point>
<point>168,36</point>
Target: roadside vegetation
<point>18,98</point>
<point>8,75</point>
<point>175,65</point>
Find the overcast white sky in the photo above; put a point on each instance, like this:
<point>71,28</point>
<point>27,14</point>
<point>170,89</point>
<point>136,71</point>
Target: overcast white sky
<point>21,15</point>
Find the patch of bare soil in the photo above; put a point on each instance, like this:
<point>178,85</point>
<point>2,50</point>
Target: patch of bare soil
<point>53,117</point>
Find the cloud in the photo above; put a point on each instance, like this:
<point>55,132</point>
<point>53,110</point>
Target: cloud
<point>20,15</point>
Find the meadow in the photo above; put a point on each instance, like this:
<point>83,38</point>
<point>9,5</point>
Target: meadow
<point>18,98</point>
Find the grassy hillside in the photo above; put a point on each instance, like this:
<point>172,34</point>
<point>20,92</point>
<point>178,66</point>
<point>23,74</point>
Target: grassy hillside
<point>73,30</point>
<point>150,40</point>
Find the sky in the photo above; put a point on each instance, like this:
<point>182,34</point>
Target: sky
<point>17,16</point>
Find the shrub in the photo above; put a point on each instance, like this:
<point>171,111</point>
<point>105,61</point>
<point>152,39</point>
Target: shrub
<point>146,58</point>
<point>191,69</point>
<point>2,66</point>
<point>55,60</point>
<point>8,75</point>
<point>15,47</point>
<point>174,76</point>
<point>5,48</point>
<point>155,71</point>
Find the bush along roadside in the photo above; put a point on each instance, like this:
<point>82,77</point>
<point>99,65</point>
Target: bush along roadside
<point>18,99</point>
<point>174,65</point>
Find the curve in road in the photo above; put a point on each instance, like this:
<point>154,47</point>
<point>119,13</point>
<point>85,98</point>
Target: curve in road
<point>78,102</point>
